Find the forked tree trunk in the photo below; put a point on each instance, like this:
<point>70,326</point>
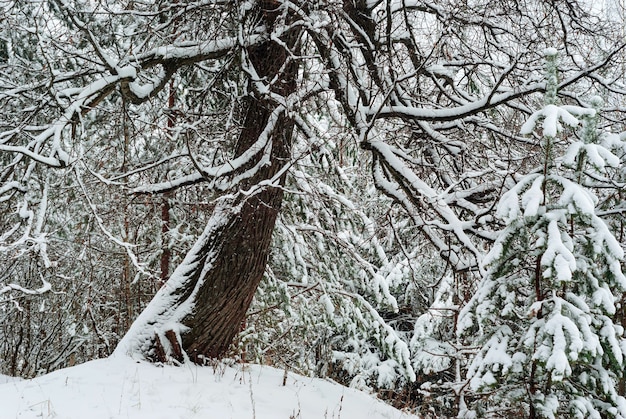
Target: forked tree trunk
<point>201,308</point>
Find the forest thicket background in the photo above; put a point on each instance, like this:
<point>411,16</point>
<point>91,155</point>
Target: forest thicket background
<point>396,143</point>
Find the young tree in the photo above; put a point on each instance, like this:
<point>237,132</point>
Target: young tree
<point>545,310</point>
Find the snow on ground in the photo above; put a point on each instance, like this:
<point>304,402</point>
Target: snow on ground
<point>120,387</point>
<point>4,379</point>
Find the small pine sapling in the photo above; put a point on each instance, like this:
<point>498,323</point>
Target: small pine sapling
<point>544,313</point>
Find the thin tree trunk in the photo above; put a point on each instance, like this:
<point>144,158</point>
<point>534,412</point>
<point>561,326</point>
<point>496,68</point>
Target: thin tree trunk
<point>201,308</point>
<point>165,205</point>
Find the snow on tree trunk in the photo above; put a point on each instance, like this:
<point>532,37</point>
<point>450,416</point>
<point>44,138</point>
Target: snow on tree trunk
<point>202,307</point>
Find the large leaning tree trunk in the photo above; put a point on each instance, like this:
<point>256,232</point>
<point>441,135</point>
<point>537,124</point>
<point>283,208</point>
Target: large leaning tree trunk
<point>200,310</point>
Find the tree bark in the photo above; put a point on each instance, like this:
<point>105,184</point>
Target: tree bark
<point>201,308</point>
<point>240,263</point>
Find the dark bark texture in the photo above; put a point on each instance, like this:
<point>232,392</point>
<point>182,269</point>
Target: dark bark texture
<point>232,261</point>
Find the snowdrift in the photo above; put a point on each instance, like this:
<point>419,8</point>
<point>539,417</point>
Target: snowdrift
<point>120,387</point>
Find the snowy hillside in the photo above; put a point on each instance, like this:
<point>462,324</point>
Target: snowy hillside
<point>123,388</point>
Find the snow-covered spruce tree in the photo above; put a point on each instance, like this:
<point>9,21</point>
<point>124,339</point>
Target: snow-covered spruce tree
<point>544,313</point>
<point>612,206</point>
